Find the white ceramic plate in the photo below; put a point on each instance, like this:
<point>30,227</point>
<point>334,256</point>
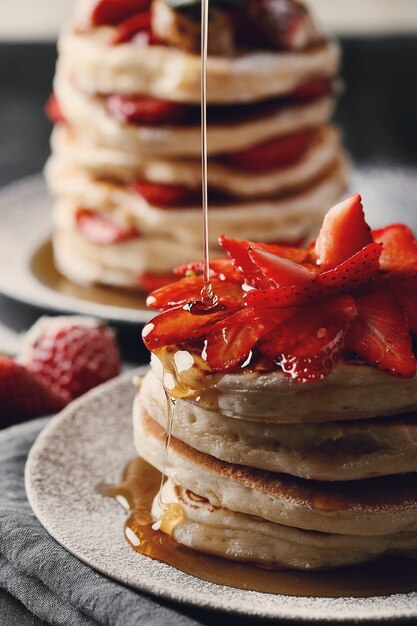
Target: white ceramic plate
<point>27,273</point>
<point>26,270</point>
<point>93,437</point>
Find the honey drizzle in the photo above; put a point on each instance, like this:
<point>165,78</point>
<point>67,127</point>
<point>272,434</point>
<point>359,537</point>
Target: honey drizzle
<point>139,486</point>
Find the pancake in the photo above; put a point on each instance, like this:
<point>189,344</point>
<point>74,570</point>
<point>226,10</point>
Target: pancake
<point>350,392</point>
<point>377,506</point>
<point>334,452</point>
<point>102,68</point>
<point>289,218</point>
<point>89,116</point>
<point>76,151</point>
<point>231,535</point>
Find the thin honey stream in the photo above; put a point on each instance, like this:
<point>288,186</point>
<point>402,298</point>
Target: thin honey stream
<point>140,485</point>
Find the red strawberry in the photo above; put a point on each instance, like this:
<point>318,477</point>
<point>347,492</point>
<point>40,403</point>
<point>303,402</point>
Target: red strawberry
<point>53,110</point>
<point>314,88</point>
<point>238,251</point>
<point>357,270</point>
<point>189,290</point>
<point>22,397</point>
<point>146,111</point>
<point>100,229</point>
<point>405,288</point>
<point>230,341</point>
<point>309,344</point>
<point>219,268</point>
<point>343,233</point>
<point>165,196</point>
<point>400,248</point>
<point>111,12</point>
<point>282,272</point>
<point>131,27</point>
<point>179,325</point>
<point>380,334</point>
<point>151,282</point>
<point>276,153</point>
<point>70,355</point>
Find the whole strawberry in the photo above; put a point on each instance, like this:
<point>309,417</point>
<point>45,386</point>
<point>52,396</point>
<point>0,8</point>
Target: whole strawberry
<point>22,397</point>
<point>71,355</point>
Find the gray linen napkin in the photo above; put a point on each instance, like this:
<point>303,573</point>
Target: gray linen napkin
<point>49,581</point>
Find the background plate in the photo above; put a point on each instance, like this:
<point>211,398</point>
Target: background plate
<point>93,437</point>
<point>27,273</point>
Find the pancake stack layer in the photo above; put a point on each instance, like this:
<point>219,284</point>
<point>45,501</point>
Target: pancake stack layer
<point>125,169</point>
<point>288,475</point>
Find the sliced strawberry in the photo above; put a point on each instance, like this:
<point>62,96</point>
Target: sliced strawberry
<point>53,110</point>
<point>189,290</point>
<point>343,233</point>
<point>380,334</point>
<point>219,268</point>
<point>112,12</point>
<point>238,251</point>
<point>314,88</point>
<point>400,248</point>
<point>165,196</point>
<point>151,282</point>
<point>100,229</point>
<point>128,29</point>
<point>405,288</point>
<point>351,274</point>
<point>282,272</point>
<point>178,326</point>
<point>276,153</point>
<point>230,341</point>
<point>146,111</point>
<point>308,345</point>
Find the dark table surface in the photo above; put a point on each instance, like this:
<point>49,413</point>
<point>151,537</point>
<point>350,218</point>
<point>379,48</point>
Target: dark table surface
<point>377,112</point>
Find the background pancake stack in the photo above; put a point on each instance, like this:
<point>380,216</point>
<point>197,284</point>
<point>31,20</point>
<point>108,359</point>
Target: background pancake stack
<point>125,169</point>
<point>268,472</point>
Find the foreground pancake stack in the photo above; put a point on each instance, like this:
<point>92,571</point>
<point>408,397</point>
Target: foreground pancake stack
<point>295,425</point>
<point>125,169</point>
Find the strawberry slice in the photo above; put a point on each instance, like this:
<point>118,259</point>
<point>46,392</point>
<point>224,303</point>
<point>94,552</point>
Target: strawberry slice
<point>314,88</point>
<point>308,345</point>
<point>238,251</point>
<point>189,290</point>
<point>100,229</point>
<point>166,196</point>
<point>231,340</point>
<point>405,289</point>
<point>146,111</point>
<point>151,282</point>
<point>343,233</point>
<point>279,152</point>
<point>400,248</point>
<point>219,268</point>
<point>359,269</point>
<point>131,27</point>
<point>112,12</point>
<point>282,272</point>
<point>178,326</point>
<point>380,334</point>
<point>53,110</point>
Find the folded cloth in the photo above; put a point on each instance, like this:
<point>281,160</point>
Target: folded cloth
<point>47,579</point>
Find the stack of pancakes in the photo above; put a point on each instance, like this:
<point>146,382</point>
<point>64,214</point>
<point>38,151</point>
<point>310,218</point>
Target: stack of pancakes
<point>100,153</point>
<point>286,475</point>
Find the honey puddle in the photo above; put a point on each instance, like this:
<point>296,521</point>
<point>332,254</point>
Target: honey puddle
<point>136,492</point>
<point>43,268</point>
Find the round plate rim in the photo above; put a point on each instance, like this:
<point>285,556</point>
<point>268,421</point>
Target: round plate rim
<point>356,609</point>
<point>41,295</point>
